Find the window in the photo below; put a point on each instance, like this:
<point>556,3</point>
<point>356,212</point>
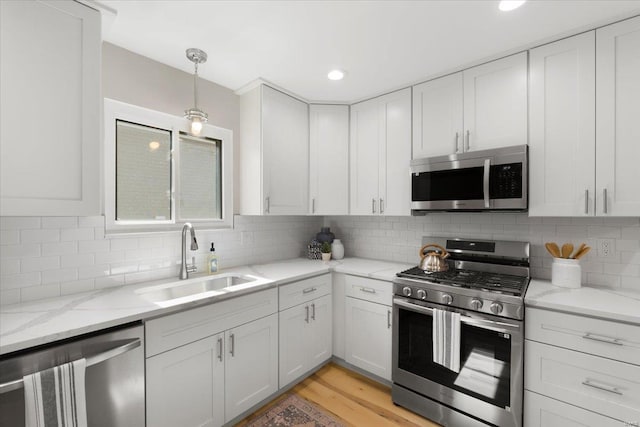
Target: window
<point>158,176</point>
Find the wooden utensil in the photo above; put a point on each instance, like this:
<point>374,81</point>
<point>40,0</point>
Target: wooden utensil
<point>581,247</point>
<point>553,249</point>
<point>583,252</point>
<point>567,249</point>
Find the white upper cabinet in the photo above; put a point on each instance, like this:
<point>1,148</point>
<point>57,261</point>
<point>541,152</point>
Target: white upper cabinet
<point>50,109</point>
<point>274,153</point>
<point>380,152</point>
<point>479,108</point>
<point>495,104</point>
<point>562,135</point>
<point>585,105</point>
<point>437,117</point>
<point>328,159</point>
<point>617,116</point>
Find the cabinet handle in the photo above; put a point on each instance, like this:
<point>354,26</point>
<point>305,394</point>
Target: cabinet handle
<point>602,387</point>
<point>457,144</point>
<point>381,206</point>
<point>313,311</point>
<point>388,319</point>
<point>313,205</point>
<point>309,290</point>
<point>268,203</point>
<point>485,183</point>
<point>604,199</point>
<point>586,201</point>
<point>373,205</point>
<point>368,290</point>
<point>468,138</point>
<point>602,338</point>
<point>220,349</point>
<point>232,337</point>
<point>306,317</point>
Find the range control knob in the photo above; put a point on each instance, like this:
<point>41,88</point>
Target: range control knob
<point>422,294</point>
<point>476,304</point>
<point>406,291</point>
<point>496,308</point>
<point>447,299</point>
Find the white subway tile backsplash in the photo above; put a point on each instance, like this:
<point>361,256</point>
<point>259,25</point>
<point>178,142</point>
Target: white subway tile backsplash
<point>59,222</point>
<point>74,234</point>
<point>19,222</point>
<point>9,237</point>
<point>92,271</point>
<point>21,280</point>
<point>109,281</point>
<point>20,251</point>
<point>9,266</point>
<point>62,248</point>
<point>124,244</point>
<point>39,236</point>
<point>40,263</point>
<point>39,292</point>
<point>9,296</point>
<point>91,221</point>
<point>77,260</point>
<point>61,275</point>
<point>77,286</point>
<point>94,246</point>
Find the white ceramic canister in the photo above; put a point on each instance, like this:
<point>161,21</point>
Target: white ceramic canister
<point>566,273</point>
<point>337,249</point>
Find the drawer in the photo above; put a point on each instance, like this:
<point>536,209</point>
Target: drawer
<point>618,341</point>
<point>600,385</point>
<point>541,411</point>
<point>304,290</point>
<point>178,329</point>
<point>378,291</point>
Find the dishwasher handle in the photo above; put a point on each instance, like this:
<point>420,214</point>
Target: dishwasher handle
<point>93,360</point>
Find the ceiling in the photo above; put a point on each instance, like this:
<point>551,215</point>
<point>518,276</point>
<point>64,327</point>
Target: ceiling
<point>382,45</point>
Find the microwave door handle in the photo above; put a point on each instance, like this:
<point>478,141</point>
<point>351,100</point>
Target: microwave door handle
<point>485,182</point>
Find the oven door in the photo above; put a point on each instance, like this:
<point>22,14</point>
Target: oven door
<point>489,384</point>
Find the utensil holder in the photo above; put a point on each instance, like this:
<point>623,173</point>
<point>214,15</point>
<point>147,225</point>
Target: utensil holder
<point>566,273</point>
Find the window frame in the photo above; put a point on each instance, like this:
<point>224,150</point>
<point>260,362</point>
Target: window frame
<point>116,110</point>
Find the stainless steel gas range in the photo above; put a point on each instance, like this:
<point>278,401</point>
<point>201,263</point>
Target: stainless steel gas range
<point>486,283</point>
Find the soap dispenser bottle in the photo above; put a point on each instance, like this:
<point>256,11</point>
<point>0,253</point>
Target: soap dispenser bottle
<point>213,260</point>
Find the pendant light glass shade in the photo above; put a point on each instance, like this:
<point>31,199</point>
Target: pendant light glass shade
<point>197,116</point>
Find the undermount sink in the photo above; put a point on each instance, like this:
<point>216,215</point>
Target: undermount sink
<point>197,288</point>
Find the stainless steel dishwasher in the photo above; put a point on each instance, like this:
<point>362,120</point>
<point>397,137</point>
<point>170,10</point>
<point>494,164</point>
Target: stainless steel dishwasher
<point>114,378</point>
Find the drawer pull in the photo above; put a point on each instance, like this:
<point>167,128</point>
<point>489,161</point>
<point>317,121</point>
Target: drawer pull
<point>309,290</point>
<point>610,389</point>
<point>601,338</point>
<point>368,290</point>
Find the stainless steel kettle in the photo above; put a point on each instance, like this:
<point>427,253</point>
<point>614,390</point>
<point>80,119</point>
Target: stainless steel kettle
<point>433,261</point>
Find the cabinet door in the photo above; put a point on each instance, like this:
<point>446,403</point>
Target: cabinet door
<point>320,338</point>
<point>329,159</point>
<point>495,103</point>
<point>251,364</point>
<point>617,113</point>
<point>49,109</point>
<point>562,113</point>
<point>285,153</point>
<point>338,296</point>
<point>368,337</point>
<point>364,152</point>
<point>395,154</point>
<point>541,411</point>
<point>185,386</point>
<point>294,342</point>
<point>437,117</point>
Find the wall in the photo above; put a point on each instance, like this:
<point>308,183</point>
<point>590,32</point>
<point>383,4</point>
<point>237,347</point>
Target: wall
<point>43,257</point>
<point>399,239</point>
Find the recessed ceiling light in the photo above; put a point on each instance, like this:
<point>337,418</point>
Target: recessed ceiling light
<point>335,75</point>
<point>154,145</point>
<point>507,5</point>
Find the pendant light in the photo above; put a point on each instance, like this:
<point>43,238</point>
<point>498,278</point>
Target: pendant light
<point>197,116</point>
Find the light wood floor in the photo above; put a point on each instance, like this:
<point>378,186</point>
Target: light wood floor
<point>351,398</point>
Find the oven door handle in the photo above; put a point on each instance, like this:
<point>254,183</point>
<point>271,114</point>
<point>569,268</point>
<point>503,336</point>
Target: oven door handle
<point>482,323</point>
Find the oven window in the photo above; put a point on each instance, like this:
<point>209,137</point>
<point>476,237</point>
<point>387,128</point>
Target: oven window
<point>485,368</point>
<point>452,184</point>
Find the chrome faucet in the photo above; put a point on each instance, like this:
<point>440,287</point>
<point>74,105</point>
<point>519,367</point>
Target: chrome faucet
<point>184,268</point>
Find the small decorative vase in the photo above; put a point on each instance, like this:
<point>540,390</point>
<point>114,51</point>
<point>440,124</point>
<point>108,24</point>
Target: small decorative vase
<point>326,257</point>
<point>566,273</point>
<point>325,235</point>
<point>337,249</point>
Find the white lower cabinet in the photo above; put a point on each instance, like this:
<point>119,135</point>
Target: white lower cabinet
<point>185,386</point>
<point>251,364</point>
<point>368,336</point>
<point>306,328</point>
<point>541,411</point>
<point>206,376</point>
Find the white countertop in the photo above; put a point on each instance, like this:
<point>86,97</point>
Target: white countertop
<point>613,304</point>
<point>40,322</point>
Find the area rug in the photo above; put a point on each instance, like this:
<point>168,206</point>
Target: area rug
<point>294,411</point>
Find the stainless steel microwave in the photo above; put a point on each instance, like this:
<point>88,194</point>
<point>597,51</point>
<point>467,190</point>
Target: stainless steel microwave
<point>487,180</point>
